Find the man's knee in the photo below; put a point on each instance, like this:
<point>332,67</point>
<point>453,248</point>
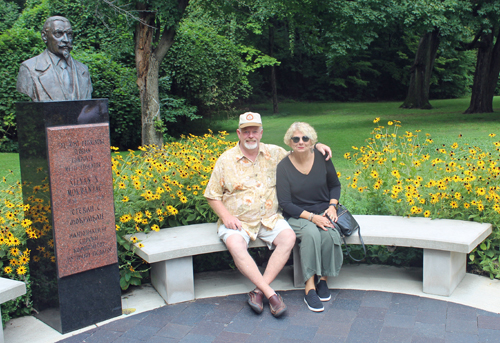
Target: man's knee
<point>285,239</point>
<point>236,245</point>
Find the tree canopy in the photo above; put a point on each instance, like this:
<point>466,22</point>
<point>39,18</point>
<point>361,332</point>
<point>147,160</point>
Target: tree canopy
<point>168,65</point>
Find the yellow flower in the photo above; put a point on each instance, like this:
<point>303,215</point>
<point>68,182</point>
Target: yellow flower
<point>125,218</point>
<point>125,198</point>
<point>7,270</point>
<point>155,227</point>
<point>26,222</point>
<point>183,199</point>
<point>134,239</point>
<point>14,251</point>
<point>376,120</point>
<point>427,214</point>
<point>140,245</point>
<point>21,270</point>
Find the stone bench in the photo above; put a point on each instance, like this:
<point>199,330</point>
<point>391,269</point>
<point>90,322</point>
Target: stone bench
<point>446,244</point>
<point>10,289</point>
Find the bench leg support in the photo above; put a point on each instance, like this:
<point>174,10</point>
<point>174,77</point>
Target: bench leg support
<point>298,278</point>
<point>1,331</point>
<point>174,279</point>
<point>443,271</point>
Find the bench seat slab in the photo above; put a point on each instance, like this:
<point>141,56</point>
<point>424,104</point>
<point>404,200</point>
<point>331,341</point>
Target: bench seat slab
<point>443,271</point>
<point>174,279</point>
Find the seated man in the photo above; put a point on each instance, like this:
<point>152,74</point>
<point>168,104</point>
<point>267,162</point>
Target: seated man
<point>242,192</point>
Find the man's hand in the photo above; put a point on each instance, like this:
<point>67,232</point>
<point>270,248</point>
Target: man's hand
<point>231,222</point>
<point>324,149</point>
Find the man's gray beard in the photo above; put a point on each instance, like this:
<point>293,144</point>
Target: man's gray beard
<point>251,146</point>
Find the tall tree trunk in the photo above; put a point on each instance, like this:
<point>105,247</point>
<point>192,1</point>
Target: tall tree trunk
<point>421,71</point>
<point>147,62</point>
<point>147,76</point>
<point>273,71</point>
<point>486,74</point>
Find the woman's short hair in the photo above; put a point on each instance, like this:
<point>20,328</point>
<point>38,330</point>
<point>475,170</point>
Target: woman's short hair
<point>305,128</point>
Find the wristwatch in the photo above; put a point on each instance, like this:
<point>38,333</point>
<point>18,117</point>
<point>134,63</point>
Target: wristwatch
<point>335,205</point>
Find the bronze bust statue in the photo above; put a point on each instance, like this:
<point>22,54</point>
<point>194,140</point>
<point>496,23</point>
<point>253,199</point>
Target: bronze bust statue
<point>54,74</point>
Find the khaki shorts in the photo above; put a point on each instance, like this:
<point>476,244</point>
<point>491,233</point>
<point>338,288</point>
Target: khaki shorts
<point>266,235</point>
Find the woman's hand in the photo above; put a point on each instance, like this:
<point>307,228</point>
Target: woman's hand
<point>331,213</point>
<point>322,222</point>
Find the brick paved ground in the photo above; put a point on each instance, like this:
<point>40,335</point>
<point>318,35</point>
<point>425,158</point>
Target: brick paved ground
<point>351,316</point>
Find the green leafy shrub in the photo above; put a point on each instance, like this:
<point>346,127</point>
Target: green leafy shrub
<point>116,82</point>
<point>205,68</point>
<point>16,46</point>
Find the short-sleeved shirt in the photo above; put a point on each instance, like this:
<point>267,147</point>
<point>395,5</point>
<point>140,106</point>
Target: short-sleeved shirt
<point>248,189</point>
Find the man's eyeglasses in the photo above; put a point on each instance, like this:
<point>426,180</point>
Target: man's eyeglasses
<point>297,139</point>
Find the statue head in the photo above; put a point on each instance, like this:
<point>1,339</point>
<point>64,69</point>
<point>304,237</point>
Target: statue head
<point>58,36</point>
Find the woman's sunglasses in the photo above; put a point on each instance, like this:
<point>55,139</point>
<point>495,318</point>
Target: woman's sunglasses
<point>297,139</point>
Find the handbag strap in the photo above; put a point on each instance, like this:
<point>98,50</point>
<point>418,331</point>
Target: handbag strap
<point>348,250</point>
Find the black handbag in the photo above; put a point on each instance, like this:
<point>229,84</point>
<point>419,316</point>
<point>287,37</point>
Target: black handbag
<point>346,225</point>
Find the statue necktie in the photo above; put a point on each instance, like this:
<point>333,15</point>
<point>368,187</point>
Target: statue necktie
<point>66,79</point>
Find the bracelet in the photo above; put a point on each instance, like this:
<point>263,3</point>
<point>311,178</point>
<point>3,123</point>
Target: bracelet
<point>311,216</point>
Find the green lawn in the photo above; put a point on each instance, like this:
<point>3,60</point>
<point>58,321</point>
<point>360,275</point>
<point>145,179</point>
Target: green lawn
<point>343,125</point>
<point>9,162</point>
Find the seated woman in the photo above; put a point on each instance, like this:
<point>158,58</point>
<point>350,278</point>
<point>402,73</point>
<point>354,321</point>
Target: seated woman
<point>308,191</point>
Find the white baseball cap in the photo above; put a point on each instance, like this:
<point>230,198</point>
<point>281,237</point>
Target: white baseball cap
<point>250,119</point>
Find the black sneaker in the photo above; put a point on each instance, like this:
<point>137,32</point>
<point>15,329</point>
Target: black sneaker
<point>312,301</point>
<point>323,291</point>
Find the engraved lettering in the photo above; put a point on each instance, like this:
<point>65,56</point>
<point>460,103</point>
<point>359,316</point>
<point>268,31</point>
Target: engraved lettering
<point>79,159</point>
<point>84,190</point>
<point>82,151</point>
<point>92,142</point>
<point>87,232</point>
<point>88,219</point>
<point>80,181</point>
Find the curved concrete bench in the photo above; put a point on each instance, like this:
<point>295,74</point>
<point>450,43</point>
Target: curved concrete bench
<point>446,244</point>
<point>10,289</point>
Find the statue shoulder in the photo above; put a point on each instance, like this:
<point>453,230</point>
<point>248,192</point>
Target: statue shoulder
<point>31,63</point>
<point>38,62</point>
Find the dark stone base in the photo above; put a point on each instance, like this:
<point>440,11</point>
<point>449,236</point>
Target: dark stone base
<point>85,299</point>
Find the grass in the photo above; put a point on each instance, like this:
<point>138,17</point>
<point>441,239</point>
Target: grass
<point>343,125</point>
<point>9,162</point>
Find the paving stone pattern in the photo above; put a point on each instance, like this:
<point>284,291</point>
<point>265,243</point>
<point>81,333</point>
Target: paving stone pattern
<point>351,316</point>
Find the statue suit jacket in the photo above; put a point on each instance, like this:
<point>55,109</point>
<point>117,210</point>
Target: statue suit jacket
<point>38,79</point>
